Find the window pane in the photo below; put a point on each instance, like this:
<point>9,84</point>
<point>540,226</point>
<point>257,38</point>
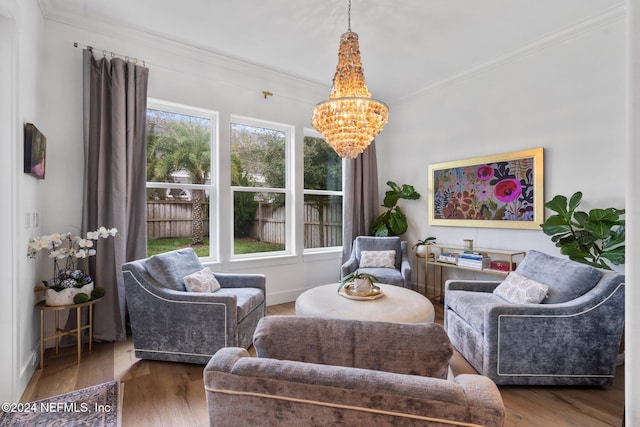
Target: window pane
<point>322,221</point>
<point>177,218</point>
<point>180,145</point>
<point>257,157</point>
<point>322,166</point>
<point>259,222</point>
<point>178,148</point>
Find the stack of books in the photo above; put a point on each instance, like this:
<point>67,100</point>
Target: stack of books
<point>448,257</point>
<point>475,260</point>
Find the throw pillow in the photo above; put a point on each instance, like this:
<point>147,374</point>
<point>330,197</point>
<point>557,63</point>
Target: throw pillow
<point>377,259</point>
<point>169,268</point>
<point>201,281</point>
<point>567,279</point>
<point>519,289</point>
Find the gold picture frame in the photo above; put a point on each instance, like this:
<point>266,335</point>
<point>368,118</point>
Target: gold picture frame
<point>500,191</point>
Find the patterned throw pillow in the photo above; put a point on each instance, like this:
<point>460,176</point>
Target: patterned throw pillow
<point>519,289</point>
<point>201,281</point>
<point>377,259</point>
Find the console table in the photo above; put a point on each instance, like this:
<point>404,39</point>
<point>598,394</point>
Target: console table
<point>511,258</point>
<point>77,332</point>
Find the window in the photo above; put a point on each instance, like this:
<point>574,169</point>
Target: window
<point>180,147</point>
<point>322,194</point>
<point>260,186</point>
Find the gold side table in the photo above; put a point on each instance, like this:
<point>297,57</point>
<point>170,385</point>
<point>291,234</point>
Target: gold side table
<point>77,332</point>
<point>427,258</point>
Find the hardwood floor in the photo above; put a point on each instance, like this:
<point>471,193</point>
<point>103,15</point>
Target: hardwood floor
<point>172,394</point>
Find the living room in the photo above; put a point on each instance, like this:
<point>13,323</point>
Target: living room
<point>561,85</point>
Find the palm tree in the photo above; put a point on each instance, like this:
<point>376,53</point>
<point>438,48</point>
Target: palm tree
<point>185,146</point>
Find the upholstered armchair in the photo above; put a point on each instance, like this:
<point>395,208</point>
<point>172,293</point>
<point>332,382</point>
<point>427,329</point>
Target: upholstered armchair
<point>398,272</point>
<point>571,338</point>
<point>329,372</point>
<point>170,323</point>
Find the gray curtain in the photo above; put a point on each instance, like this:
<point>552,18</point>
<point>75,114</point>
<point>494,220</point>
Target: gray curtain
<point>115,103</point>
<point>361,206</point>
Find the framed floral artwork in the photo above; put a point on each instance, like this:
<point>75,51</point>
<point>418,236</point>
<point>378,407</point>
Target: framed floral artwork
<point>501,191</point>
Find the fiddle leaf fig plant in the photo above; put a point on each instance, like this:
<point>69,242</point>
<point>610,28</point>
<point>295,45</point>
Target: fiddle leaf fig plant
<point>393,222</point>
<point>594,238</point>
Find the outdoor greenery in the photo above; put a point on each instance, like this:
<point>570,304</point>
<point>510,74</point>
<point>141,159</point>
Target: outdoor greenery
<point>257,160</point>
<point>393,222</point>
<point>592,238</point>
<point>322,171</point>
<point>178,151</point>
<point>241,246</point>
<point>175,144</point>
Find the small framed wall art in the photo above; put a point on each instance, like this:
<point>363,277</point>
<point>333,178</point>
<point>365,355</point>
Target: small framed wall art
<point>35,151</point>
<point>501,191</point>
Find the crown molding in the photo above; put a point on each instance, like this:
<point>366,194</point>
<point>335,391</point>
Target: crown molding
<point>592,23</point>
<point>181,50</point>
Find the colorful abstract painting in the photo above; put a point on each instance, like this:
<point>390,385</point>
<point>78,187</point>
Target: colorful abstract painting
<point>494,191</point>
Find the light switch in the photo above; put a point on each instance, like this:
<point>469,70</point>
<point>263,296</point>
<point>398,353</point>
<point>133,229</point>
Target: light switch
<point>36,219</point>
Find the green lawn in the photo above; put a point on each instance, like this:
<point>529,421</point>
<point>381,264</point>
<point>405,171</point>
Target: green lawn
<point>158,246</point>
<point>241,246</point>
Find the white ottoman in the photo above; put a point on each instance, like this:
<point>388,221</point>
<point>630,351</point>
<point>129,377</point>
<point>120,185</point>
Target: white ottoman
<point>396,305</point>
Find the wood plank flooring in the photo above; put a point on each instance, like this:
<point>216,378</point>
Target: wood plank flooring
<point>172,394</point>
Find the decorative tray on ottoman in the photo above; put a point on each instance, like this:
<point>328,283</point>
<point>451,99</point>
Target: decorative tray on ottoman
<point>348,292</point>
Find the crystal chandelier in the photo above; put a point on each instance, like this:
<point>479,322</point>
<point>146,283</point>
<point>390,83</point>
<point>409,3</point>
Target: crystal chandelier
<point>350,118</point>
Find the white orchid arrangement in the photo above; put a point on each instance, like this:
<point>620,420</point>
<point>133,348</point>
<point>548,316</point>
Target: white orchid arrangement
<point>75,250</point>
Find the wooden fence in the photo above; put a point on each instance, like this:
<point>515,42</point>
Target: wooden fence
<point>167,219</point>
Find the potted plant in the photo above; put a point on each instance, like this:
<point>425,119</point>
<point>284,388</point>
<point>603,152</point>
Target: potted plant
<point>393,222</point>
<point>360,283</point>
<point>594,238</point>
<point>71,283</point>
<point>420,245</point>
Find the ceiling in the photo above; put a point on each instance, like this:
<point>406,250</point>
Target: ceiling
<point>406,45</point>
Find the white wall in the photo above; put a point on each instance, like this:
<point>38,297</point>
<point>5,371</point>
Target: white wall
<point>183,75</point>
<point>21,26</point>
<point>568,94</point>
<point>565,93</point>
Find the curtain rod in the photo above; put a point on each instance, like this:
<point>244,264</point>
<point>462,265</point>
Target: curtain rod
<point>111,53</point>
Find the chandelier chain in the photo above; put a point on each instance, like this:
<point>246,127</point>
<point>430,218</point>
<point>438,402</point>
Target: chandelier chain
<point>349,16</point>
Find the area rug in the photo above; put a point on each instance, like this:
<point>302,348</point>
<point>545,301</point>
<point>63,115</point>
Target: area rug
<point>96,406</point>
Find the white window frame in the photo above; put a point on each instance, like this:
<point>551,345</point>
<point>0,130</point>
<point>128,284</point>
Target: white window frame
<point>212,187</point>
<point>289,131</point>
<point>315,134</point>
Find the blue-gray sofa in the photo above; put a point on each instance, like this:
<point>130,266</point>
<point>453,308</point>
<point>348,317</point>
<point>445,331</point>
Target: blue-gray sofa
<point>571,338</point>
<point>329,372</point>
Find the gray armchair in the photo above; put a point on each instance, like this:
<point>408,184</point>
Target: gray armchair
<point>327,372</point>
<point>169,323</point>
<point>571,338</point>
<point>399,276</point>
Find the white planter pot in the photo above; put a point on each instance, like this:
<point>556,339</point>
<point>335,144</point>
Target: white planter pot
<point>65,296</point>
<point>421,250</point>
<point>362,286</point>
